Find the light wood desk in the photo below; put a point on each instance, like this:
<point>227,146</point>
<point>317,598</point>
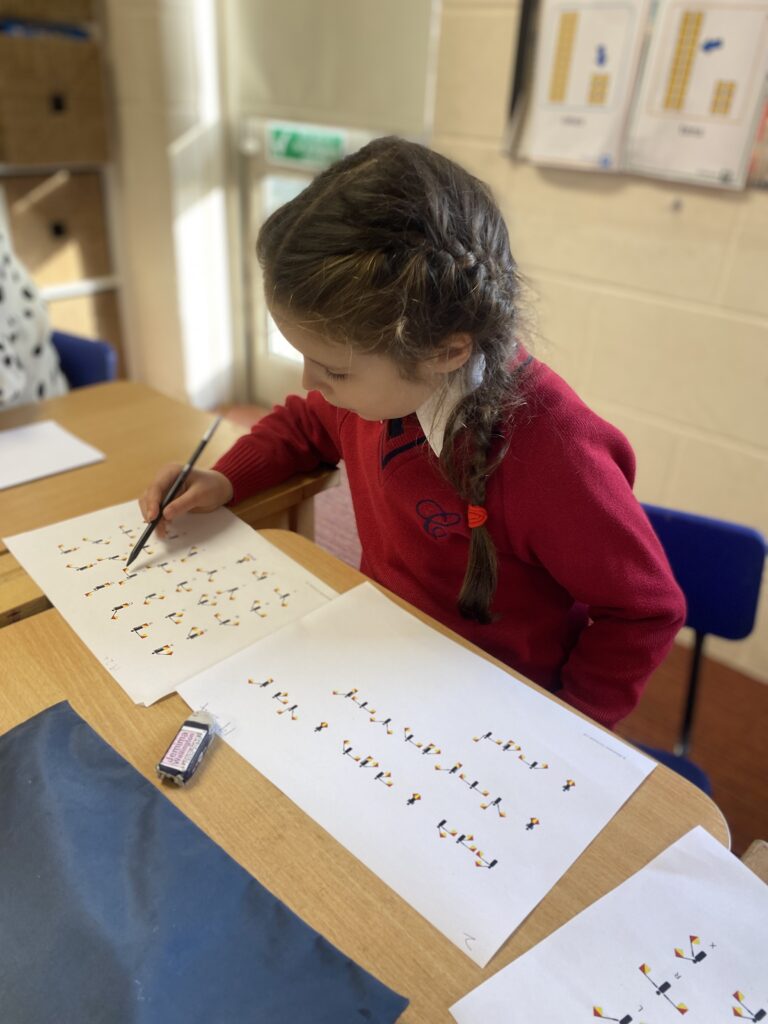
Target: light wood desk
<point>756,858</point>
<point>138,430</point>
<point>44,662</point>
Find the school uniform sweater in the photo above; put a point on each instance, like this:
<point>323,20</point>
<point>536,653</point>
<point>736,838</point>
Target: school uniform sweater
<point>586,604</point>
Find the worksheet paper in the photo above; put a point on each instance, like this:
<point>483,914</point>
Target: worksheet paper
<point>465,790</point>
<point>684,937</point>
<point>41,449</point>
<point>212,587</point>
<point>586,63</point>
<point>700,97</point>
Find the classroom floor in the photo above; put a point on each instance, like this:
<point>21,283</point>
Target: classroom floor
<point>729,732</point>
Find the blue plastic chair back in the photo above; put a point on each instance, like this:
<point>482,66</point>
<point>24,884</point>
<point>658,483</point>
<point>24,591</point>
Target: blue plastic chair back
<point>84,361</point>
<point>718,566</point>
<point>688,769</point>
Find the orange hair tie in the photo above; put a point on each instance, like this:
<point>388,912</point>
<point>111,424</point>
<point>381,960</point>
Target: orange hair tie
<point>476,516</point>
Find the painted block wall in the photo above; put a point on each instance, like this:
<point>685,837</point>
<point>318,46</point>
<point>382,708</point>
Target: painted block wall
<point>650,298</point>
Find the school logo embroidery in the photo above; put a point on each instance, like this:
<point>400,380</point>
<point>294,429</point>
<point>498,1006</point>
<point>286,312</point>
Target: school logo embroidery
<point>435,520</point>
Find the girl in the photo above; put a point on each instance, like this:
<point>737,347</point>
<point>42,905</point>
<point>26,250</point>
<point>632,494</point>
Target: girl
<point>485,492</point>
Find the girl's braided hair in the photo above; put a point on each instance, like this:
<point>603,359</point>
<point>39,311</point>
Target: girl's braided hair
<point>392,250</point>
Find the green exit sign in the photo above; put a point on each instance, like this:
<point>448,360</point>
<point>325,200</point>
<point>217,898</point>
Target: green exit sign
<point>304,146</point>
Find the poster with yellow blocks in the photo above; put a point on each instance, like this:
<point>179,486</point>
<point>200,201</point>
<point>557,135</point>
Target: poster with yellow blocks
<point>701,92</point>
<point>586,67</point>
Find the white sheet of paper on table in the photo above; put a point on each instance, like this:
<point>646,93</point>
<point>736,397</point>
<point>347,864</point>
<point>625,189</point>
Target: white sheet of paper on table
<point>187,602</point>
<point>686,936</point>
<point>41,449</point>
<point>465,790</point>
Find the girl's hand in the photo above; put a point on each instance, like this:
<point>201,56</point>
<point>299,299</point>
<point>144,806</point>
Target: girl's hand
<point>204,491</point>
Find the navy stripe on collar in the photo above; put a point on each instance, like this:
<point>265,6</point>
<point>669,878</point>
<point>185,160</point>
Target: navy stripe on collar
<point>403,448</point>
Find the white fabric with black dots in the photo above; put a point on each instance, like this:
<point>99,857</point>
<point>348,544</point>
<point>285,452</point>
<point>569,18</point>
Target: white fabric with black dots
<point>29,364</point>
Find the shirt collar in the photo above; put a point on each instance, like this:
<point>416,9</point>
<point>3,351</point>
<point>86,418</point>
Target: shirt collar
<point>433,415</point>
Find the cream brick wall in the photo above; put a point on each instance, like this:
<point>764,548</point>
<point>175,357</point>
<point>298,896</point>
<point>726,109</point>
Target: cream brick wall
<point>650,298</point>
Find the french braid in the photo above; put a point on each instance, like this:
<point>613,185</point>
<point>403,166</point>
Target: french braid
<point>393,250</point>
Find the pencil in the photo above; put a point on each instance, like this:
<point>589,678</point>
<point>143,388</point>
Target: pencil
<point>173,490</point>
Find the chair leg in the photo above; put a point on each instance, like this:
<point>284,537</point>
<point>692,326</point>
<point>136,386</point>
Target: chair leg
<point>681,747</point>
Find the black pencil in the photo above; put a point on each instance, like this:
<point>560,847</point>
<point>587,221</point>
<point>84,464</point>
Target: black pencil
<point>174,489</point>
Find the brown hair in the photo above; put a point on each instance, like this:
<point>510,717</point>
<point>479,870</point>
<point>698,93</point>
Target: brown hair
<point>392,250</point>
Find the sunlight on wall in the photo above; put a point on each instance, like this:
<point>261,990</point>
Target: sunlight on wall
<point>278,189</point>
<point>200,220</point>
<point>199,233</point>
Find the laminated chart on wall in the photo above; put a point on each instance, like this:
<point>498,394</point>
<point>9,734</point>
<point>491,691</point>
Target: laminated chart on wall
<point>212,587</point>
<point>465,790</point>
<point>700,97</point>
<point>586,62</point>
<point>757,175</point>
<point>683,939</point>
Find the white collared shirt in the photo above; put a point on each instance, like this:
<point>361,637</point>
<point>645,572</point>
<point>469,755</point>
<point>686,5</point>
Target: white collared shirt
<point>433,415</point>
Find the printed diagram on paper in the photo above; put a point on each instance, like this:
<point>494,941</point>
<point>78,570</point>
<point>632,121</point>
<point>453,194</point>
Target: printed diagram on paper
<point>465,790</point>
<point>701,93</point>
<point>586,61</point>
<point>684,938</point>
<point>212,587</point>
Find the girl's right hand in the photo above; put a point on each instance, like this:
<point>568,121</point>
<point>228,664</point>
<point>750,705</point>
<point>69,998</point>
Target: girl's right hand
<point>204,491</point>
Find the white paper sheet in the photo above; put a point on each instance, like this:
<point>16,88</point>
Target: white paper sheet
<point>700,97</point>
<point>185,603</point>
<point>684,937</point>
<point>41,449</point>
<point>586,62</point>
<point>465,790</point>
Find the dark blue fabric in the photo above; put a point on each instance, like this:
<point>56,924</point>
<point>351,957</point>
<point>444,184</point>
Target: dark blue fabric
<point>116,909</point>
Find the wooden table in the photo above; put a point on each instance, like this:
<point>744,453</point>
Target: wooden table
<point>138,429</point>
<point>44,662</point>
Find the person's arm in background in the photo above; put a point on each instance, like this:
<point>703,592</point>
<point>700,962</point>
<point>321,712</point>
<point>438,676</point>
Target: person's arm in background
<point>13,377</point>
<point>29,363</point>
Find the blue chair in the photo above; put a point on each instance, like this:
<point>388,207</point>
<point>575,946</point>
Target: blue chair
<point>682,765</point>
<point>84,361</point>
<point>719,567</point>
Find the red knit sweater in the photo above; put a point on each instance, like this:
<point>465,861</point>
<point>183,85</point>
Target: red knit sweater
<point>586,603</point>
